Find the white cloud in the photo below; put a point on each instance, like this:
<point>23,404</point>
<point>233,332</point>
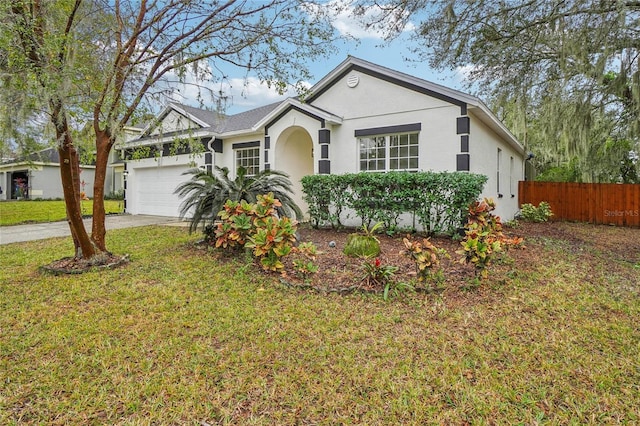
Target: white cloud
<point>191,86</point>
<point>232,94</point>
<point>464,73</point>
<point>251,92</point>
<point>352,24</point>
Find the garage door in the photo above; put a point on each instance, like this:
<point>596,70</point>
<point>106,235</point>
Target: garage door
<point>154,188</point>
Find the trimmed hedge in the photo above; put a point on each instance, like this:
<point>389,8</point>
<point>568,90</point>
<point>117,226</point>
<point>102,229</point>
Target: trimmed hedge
<point>438,202</point>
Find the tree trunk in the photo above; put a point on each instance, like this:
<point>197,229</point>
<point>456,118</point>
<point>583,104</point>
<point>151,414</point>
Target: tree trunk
<point>70,176</point>
<point>104,143</point>
<point>69,168</point>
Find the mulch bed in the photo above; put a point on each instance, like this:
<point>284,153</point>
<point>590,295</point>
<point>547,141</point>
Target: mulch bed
<point>337,271</point>
<point>343,274</point>
<point>72,265</point>
<point>591,244</point>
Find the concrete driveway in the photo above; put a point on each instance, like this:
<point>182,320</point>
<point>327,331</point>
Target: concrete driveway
<point>40,231</point>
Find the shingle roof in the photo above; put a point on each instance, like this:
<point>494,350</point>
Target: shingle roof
<point>207,116</point>
<point>222,123</point>
<point>245,120</point>
<point>49,155</point>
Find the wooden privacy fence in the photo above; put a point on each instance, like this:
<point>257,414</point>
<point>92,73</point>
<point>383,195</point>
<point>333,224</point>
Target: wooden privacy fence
<point>601,203</point>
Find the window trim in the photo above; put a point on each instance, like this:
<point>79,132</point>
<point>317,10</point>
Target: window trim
<point>243,145</point>
<point>388,130</point>
<point>387,150</point>
<point>246,148</point>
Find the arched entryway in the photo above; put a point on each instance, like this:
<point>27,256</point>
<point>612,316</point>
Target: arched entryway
<point>294,156</point>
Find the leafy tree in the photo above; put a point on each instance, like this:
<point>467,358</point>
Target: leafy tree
<point>206,193</point>
<point>102,60</point>
<point>563,74</point>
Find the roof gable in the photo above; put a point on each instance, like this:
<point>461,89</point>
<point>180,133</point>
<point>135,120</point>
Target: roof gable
<point>177,118</point>
<point>386,74</point>
<point>466,102</point>
<point>293,104</point>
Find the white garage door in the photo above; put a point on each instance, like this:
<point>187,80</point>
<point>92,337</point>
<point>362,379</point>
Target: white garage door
<point>154,188</point>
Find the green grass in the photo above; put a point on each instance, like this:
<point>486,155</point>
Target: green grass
<point>36,211</point>
<point>178,338</point>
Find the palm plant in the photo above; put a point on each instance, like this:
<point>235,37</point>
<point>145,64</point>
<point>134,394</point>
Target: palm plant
<point>206,192</point>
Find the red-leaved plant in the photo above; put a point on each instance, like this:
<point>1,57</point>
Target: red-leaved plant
<point>483,237</point>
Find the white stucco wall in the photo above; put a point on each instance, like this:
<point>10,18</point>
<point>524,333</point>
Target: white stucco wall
<point>372,97</point>
<point>483,147</point>
<point>226,158</point>
<point>295,154</point>
<point>377,103</point>
<point>278,134</point>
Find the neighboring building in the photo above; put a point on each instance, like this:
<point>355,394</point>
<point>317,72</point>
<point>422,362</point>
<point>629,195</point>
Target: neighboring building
<point>38,176</point>
<point>360,117</point>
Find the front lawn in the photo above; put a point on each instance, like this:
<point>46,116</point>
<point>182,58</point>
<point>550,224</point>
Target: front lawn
<point>177,337</point>
<point>36,211</point>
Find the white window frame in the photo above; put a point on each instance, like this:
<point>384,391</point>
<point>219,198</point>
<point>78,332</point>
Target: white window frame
<point>380,155</point>
<point>240,160</point>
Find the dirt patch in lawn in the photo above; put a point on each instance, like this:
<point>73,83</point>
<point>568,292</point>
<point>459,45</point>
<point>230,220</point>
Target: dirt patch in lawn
<point>72,265</point>
<point>612,249</point>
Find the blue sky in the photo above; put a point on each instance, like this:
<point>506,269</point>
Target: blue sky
<point>371,47</point>
<point>245,94</point>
